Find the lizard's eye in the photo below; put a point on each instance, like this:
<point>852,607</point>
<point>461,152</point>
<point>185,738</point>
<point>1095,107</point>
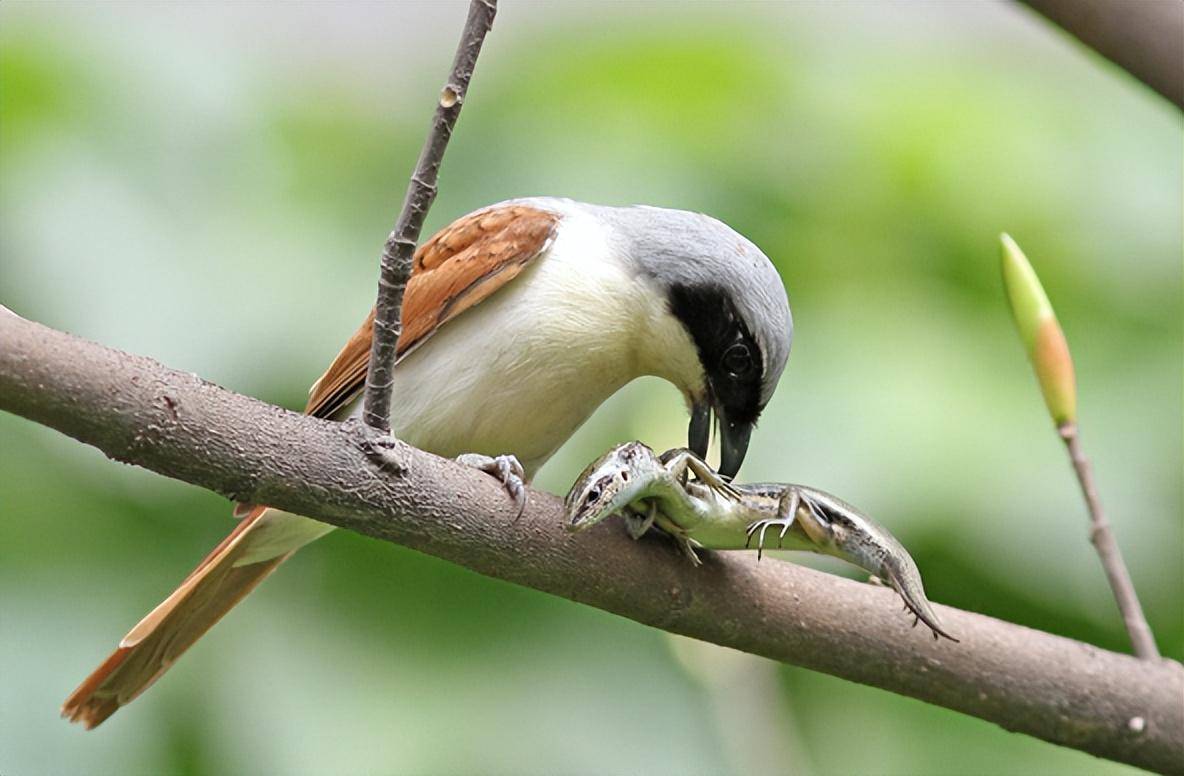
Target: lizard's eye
<point>593,495</point>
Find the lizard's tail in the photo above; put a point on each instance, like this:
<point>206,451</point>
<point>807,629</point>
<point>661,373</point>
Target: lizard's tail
<point>902,574</point>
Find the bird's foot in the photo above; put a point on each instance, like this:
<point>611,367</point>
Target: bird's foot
<point>506,469</point>
<point>784,523</point>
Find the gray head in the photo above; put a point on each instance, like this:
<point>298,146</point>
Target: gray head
<point>731,300</point>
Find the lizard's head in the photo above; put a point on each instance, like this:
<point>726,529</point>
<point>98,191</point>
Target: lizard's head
<point>610,483</point>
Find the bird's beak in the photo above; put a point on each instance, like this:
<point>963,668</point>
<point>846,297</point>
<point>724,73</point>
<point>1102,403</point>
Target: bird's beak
<point>699,432</point>
<point>733,444</point>
<point>733,437</point>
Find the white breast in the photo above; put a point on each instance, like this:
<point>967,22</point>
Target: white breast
<point>523,370</point>
<point>520,372</point>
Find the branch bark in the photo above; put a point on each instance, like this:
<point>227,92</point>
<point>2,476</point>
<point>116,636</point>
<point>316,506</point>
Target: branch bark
<point>137,411</point>
<point>1145,38</point>
<point>397,252</point>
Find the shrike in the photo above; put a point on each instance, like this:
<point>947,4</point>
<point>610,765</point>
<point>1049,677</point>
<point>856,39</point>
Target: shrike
<point>519,320</point>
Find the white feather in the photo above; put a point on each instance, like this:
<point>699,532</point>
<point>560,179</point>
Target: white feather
<point>523,370</point>
<point>520,372</point>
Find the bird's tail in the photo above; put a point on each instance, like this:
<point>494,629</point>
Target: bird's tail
<point>262,541</point>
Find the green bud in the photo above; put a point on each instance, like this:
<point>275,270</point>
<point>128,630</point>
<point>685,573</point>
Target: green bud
<point>1040,332</point>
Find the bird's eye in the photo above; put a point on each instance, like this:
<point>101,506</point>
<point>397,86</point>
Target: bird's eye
<point>737,361</point>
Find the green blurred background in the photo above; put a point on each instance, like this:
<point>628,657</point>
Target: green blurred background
<point>210,185</point>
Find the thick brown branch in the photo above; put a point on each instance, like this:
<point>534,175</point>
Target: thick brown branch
<point>397,252</point>
<point>1143,37</point>
<point>138,411</point>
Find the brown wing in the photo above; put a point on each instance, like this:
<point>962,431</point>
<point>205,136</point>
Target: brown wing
<point>459,267</point>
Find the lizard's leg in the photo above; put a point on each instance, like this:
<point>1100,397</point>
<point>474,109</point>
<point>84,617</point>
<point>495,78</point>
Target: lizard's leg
<point>814,522</point>
<point>680,459</point>
<point>787,508</point>
<point>684,542</point>
<point>675,462</point>
<point>687,545</point>
<point>637,522</point>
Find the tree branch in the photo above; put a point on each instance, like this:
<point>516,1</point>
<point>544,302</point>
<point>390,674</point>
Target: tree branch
<point>138,411</point>
<point>397,252</point>
<point>1145,38</point>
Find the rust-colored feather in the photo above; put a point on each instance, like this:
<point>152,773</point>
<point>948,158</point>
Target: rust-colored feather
<point>459,267</point>
<point>454,270</point>
<point>147,651</point>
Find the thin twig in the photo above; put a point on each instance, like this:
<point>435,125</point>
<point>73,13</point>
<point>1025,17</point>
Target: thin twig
<point>174,423</point>
<point>1103,540</point>
<point>397,252</point>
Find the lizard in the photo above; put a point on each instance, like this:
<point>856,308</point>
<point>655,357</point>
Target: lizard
<point>649,490</point>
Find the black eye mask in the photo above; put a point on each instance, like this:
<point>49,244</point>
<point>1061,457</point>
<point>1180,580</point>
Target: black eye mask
<point>727,350</point>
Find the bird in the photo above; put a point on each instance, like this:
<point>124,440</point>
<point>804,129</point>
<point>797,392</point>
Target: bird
<point>518,321</point>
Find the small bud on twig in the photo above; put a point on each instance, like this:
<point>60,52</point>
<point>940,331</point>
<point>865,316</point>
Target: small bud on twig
<point>1041,333</point>
<point>1049,353</point>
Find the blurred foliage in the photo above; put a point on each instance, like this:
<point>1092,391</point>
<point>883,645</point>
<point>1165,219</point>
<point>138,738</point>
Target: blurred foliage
<point>173,177</point>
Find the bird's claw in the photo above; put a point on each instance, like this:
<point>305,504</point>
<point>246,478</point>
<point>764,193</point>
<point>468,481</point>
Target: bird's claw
<point>507,469</point>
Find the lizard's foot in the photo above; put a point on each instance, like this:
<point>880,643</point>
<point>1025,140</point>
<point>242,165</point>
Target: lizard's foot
<point>687,545</point>
<point>681,461</point>
<point>678,534</point>
<point>784,523</point>
<point>638,522</point>
<point>505,468</point>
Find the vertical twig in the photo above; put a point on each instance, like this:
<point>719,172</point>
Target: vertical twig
<point>1048,351</point>
<point>1103,541</point>
<point>399,248</point>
